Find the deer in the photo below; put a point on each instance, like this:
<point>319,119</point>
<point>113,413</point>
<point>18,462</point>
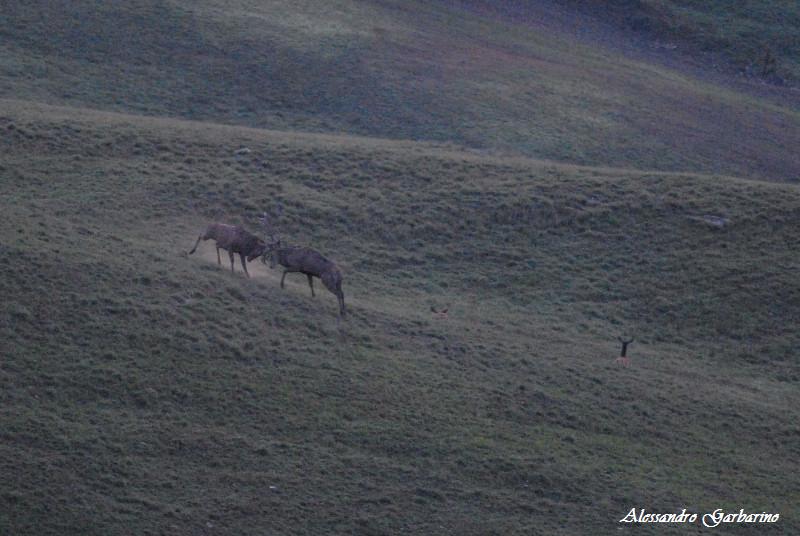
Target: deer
<point>439,313</point>
<point>233,239</point>
<point>309,262</point>
<point>623,354</point>
<point>305,261</point>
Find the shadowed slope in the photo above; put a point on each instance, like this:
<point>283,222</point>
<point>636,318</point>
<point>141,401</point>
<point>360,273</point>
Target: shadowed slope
<point>400,70</point>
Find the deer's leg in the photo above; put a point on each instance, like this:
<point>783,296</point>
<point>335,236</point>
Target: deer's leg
<point>219,261</point>
<point>241,256</point>
<point>230,254</point>
<point>199,238</point>
<point>311,283</point>
<point>333,283</point>
<point>284,277</point>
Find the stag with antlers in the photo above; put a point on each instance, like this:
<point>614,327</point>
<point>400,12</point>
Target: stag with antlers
<point>305,261</point>
<point>233,239</point>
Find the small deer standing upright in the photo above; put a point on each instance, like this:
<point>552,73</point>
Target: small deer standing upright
<point>623,357</point>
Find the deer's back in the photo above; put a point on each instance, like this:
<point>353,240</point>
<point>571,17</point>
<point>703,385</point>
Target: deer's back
<point>231,237</point>
<point>306,260</point>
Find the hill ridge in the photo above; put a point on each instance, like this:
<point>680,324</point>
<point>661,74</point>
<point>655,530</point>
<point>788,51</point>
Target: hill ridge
<point>17,109</point>
<point>371,69</point>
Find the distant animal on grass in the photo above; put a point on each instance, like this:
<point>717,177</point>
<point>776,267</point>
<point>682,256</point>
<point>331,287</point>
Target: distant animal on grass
<point>233,239</point>
<point>440,314</point>
<point>623,357</point>
<point>309,262</point>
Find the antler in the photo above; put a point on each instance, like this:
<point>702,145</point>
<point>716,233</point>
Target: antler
<point>266,222</point>
<point>273,240</point>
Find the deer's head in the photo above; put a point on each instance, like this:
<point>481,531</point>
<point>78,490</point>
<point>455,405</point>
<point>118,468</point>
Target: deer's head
<point>257,251</point>
<point>271,253</point>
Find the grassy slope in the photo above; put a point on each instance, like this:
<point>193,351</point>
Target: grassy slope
<point>410,70</point>
<point>144,391</point>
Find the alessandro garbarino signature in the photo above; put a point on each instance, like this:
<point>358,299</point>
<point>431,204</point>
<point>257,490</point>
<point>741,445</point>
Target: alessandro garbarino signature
<point>710,519</point>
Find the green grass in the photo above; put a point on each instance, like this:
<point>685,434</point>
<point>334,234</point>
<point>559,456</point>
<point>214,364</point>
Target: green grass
<point>552,195</point>
<point>146,391</point>
<point>419,70</point>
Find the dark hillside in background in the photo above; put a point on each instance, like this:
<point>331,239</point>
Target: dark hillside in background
<point>400,70</point>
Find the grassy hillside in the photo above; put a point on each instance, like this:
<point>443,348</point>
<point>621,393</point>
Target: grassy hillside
<point>551,193</point>
<point>147,392</point>
<point>401,70</point>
